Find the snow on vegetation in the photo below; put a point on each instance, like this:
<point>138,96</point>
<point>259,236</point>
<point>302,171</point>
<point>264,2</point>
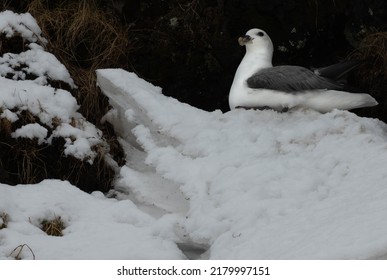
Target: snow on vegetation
<point>236,185</point>
<point>25,80</point>
<point>25,25</point>
<point>35,61</point>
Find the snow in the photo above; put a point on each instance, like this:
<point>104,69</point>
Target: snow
<point>35,61</point>
<point>49,104</point>
<point>80,139</point>
<point>257,184</point>
<point>31,130</point>
<point>42,101</point>
<point>238,185</point>
<point>20,24</point>
<point>25,86</point>
<point>9,115</point>
<point>96,227</point>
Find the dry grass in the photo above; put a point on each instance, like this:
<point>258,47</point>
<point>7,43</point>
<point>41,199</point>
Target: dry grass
<point>6,125</point>
<point>53,227</point>
<point>371,76</point>
<point>373,50</point>
<point>4,219</point>
<point>24,161</point>
<point>17,252</point>
<point>32,162</point>
<point>83,37</point>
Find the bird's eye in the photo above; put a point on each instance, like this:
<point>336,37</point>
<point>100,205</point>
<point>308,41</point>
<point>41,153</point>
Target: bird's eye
<point>260,34</point>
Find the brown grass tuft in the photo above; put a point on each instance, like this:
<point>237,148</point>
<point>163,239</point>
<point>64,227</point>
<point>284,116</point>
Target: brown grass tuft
<point>4,219</point>
<point>53,227</point>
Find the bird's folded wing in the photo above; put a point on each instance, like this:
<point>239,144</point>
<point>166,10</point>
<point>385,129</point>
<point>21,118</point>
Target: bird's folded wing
<point>337,71</point>
<point>291,79</point>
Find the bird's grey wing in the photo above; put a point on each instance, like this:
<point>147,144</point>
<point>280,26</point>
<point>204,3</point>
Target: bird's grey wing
<point>339,70</point>
<point>290,79</point>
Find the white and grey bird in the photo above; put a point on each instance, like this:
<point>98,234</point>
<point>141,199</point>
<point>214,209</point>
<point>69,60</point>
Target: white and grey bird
<point>257,84</point>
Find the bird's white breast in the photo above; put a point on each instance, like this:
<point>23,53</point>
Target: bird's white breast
<point>250,64</point>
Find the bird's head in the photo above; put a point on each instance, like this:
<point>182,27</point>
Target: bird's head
<point>257,41</point>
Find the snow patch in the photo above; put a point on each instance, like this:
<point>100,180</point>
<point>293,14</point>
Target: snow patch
<point>37,62</point>
<point>25,25</point>
<point>9,115</point>
<point>96,228</point>
<point>32,130</point>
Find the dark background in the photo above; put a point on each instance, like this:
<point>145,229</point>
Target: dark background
<point>195,60</point>
<point>189,47</point>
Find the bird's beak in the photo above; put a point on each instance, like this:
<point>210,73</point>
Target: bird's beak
<point>245,40</point>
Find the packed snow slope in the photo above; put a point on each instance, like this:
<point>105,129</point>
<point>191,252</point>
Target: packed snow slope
<point>253,184</point>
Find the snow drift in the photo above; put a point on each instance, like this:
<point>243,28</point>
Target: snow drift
<point>255,184</point>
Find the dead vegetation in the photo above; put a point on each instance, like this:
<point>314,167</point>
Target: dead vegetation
<point>18,252</point>
<point>4,219</point>
<point>373,50</point>
<point>372,74</point>
<point>53,227</point>
<point>84,38</point>
<point>24,161</point>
